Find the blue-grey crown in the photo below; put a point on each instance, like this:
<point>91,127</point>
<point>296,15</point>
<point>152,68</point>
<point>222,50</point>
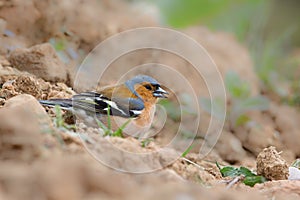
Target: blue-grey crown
<point>140,79</point>
<point>143,78</point>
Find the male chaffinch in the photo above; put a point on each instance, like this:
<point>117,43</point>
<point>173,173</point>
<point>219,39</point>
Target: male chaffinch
<point>136,99</point>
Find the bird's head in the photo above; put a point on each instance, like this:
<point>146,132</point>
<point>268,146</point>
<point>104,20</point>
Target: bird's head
<point>146,87</point>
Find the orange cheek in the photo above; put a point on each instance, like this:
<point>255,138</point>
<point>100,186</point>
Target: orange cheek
<point>146,95</point>
<point>149,102</point>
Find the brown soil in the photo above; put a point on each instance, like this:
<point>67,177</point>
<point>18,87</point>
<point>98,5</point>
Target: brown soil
<point>40,161</point>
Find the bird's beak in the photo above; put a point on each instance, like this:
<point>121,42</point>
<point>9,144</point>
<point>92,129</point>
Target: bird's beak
<point>160,93</point>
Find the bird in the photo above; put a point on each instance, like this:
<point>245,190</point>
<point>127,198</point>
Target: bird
<point>133,100</point>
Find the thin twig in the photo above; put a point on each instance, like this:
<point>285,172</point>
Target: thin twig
<point>233,181</point>
<point>202,168</point>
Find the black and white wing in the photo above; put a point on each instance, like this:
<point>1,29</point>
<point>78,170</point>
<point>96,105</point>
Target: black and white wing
<point>97,103</point>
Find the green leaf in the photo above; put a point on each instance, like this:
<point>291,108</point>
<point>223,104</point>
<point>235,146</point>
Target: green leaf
<point>108,118</point>
<point>240,107</point>
<point>59,45</point>
<point>241,120</point>
<point>118,133</point>
<point>254,103</point>
<point>233,171</point>
<point>103,127</point>
<point>107,130</point>
<point>252,180</point>
<point>218,166</point>
<point>59,119</point>
<point>236,87</point>
<point>229,171</point>
<point>246,172</point>
<point>146,142</point>
<point>187,151</point>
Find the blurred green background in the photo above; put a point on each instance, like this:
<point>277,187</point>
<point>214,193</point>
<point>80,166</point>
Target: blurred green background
<point>270,29</point>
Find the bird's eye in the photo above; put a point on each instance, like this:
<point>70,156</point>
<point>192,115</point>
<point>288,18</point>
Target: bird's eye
<point>148,87</point>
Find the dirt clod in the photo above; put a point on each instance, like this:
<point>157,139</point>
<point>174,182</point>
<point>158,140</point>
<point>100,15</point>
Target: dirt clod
<point>289,129</point>
<point>271,165</point>
<point>22,119</point>
<point>40,60</point>
<point>28,85</point>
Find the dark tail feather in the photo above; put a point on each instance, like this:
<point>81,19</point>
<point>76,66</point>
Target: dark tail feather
<point>63,103</point>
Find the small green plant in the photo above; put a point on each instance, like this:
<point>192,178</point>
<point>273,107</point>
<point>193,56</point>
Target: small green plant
<point>108,130</point>
<point>240,103</point>
<point>187,151</point>
<point>65,50</point>
<point>293,99</point>
<point>58,44</point>
<point>272,62</point>
<point>59,123</point>
<point>183,157</point>
<point>146,142</point>
<point>59,120</point>
<point>241,100</point>
<point>245,174</point>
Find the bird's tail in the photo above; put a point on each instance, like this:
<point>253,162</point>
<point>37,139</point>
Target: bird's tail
<point>65,104</point>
